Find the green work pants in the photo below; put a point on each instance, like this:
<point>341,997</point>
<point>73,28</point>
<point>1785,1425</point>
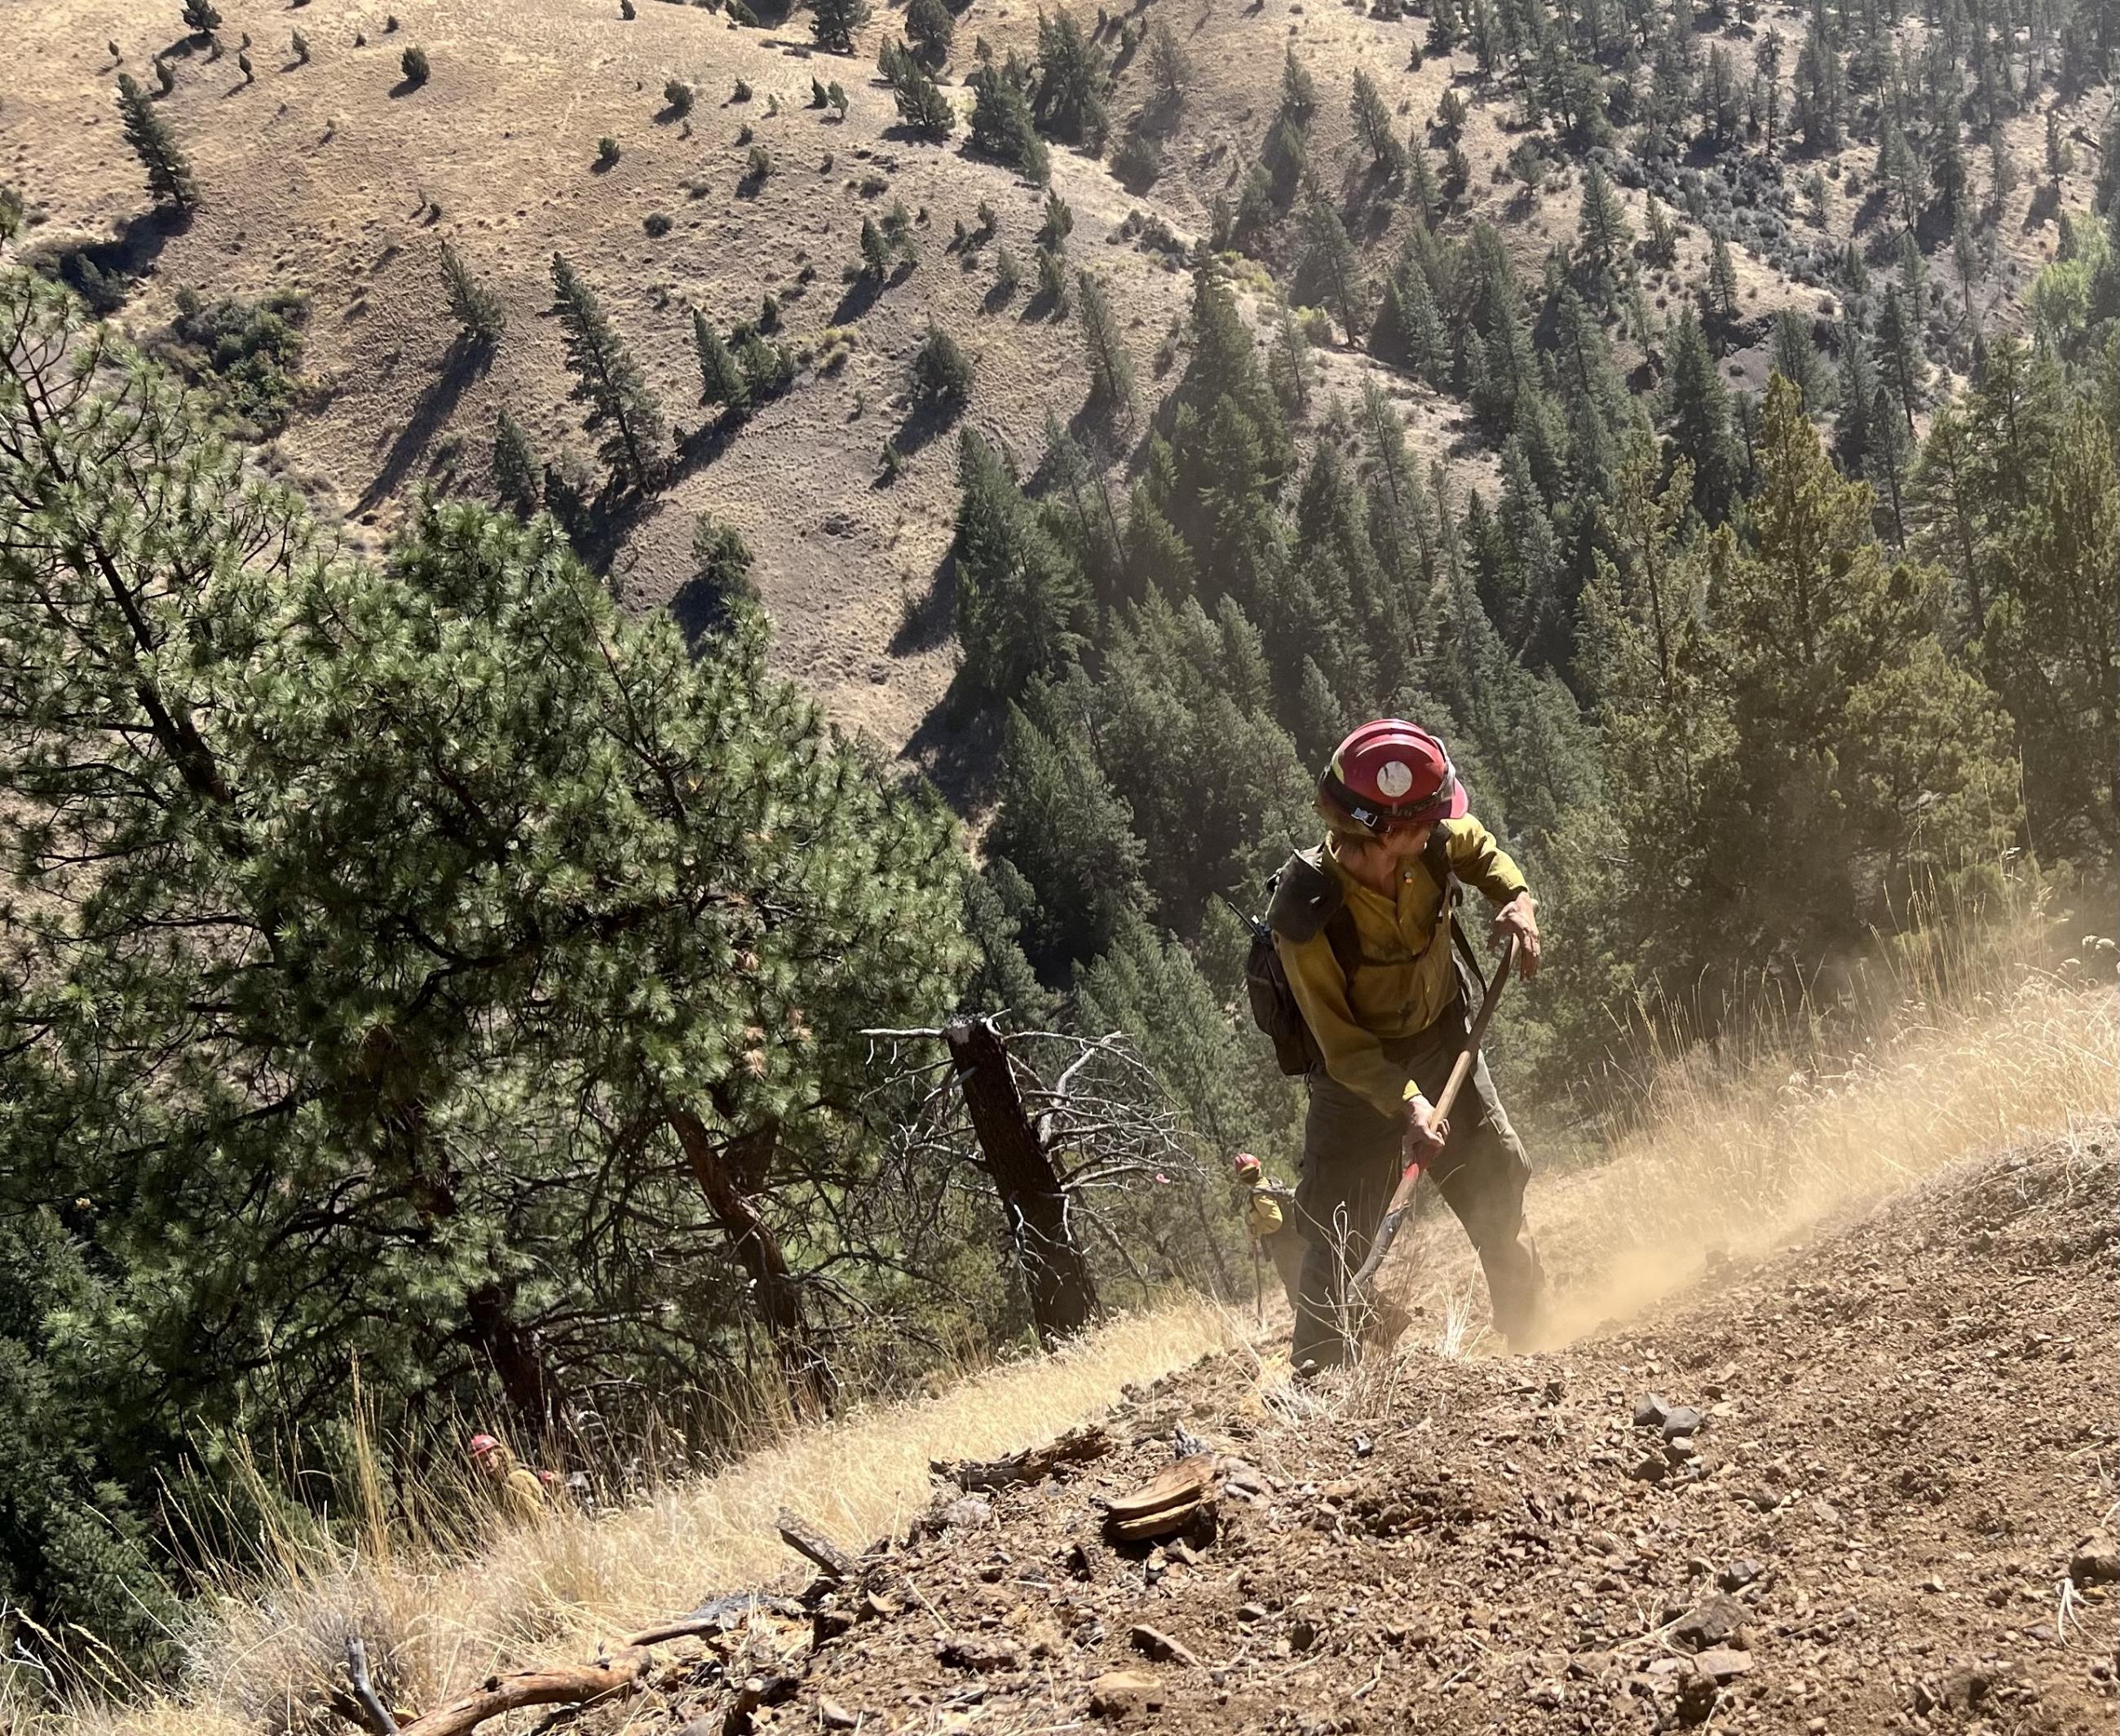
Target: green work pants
<point>1352,1157</point>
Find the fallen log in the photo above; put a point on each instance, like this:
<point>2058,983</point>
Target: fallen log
<point>1032,1464</point>
<point>552,1684</point>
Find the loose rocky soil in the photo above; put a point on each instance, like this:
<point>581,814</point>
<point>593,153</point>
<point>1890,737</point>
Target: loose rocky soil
<point>1893,1513</point>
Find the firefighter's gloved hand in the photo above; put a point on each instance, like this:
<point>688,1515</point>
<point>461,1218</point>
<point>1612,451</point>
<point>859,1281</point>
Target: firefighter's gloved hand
<point>1263,1217</point>
<point>1425,1130</point>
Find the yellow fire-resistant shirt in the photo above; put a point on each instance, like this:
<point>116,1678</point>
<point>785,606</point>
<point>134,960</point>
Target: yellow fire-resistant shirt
<point>1406,981</point>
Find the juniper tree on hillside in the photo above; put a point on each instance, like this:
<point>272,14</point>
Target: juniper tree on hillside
<point>928,24</point>
<point>1069,99</point>
<point>721,381</point>
<point>621,404</point>
<point>1372,125</point>
<point>1002,124</point>
<point>833,23</point>
<point>1170,71</point>
<point>515,467</point>
<point>479,313</point>
<point>169,174</point>
<point>1111,370</point>
<point>922,105</point>
<point>201,17</point>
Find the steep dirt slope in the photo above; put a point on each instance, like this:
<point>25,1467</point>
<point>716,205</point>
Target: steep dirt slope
<point>1892,1516</point>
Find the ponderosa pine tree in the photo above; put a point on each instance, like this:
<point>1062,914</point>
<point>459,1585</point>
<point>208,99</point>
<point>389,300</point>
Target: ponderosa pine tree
<point>2053,641</point>
<point>1060,825</point>
<point>1333,264</point>
<point>1289,365</point>
<point>1602,224</point>
<point>1697,420</point>
<point>1795,357</point>
<point>494,981</point>
<point>1851,723</point>
<point>516,470</point>
<point>480,316</point>
<point>1022,605</point>
<point>169,174</point>
<point>606,375</point>
<point>1111,369</point>
<point>1372,125</point>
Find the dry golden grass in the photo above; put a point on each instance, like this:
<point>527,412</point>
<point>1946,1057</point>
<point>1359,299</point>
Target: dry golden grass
<point>436,1622</point>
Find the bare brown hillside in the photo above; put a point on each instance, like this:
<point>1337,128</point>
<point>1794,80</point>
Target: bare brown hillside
<point>1884,1505</point>
<point>318,178</point>
<point>335,179</point>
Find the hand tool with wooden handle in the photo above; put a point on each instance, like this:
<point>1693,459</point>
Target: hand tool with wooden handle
<point>1402,1199</point>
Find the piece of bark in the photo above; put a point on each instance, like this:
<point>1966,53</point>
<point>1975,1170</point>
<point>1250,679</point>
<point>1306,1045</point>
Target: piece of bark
<point>1077,1446</point>
<point>1178,1485</point>
<point>807,1541</point>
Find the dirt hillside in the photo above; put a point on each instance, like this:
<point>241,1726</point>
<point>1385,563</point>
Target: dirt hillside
<point>1884,1503</point>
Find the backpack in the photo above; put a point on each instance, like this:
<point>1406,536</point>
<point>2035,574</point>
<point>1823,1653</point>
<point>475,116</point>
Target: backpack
<point>1304,898</point>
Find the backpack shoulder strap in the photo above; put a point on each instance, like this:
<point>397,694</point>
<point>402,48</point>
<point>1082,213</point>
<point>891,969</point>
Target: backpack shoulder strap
<point>1436,857</point>
<point>1305,896</point>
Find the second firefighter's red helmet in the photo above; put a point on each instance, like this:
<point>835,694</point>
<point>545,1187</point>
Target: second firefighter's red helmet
<point>1391,773</point>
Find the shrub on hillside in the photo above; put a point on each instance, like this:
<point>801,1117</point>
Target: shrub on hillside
<point>247,350</point>
<point>678,94</point>
<point>413,63</point>
<point>941,372</point>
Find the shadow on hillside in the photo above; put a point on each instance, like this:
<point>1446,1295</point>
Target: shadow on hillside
<point>929,617</point>
<point>923,423</point>
<point>860,297</point>
<point>958,747</point>
<point>461,363</point>
<point>104,273</point>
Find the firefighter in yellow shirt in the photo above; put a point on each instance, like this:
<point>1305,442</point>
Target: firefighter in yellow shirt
<point>1362,927</point>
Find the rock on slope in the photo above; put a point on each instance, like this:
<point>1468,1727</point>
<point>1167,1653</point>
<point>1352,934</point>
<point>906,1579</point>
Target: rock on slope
<point>1891,1516</point>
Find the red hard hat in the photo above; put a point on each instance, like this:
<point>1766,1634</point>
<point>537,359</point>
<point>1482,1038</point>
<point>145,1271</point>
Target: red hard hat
<point>1391,773</point>
<point>479,1445</point>
<point>1246,1164</point>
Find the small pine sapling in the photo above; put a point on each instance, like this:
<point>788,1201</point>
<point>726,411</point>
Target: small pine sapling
<point>413,62</point>
<point>201,17</point>
<point>678,96</point>
<point>607,151</point>
<point>301,45</point>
